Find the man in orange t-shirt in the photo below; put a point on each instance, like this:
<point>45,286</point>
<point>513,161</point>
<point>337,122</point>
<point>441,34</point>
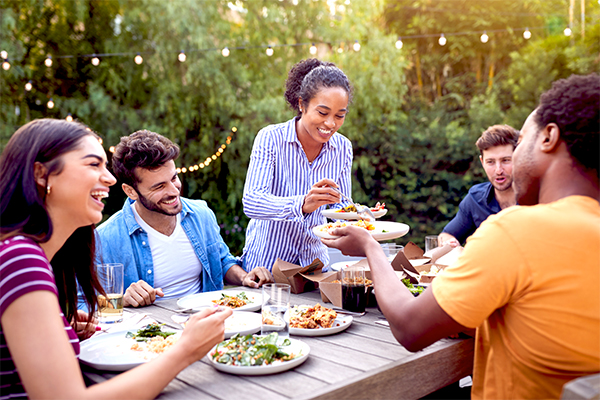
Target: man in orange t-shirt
<point>529,277</point>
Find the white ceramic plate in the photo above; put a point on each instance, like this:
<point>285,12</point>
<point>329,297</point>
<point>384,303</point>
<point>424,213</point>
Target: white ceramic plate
<point>200,300</point>
<point>242,322</point>
<point>341,323</point>
<point>296,347</point>
<point>333,214</point>
<point>112,352</point>
<point>384,230</point>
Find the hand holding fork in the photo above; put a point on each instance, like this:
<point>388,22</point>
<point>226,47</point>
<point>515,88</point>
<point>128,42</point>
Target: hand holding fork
<point>363,212</point>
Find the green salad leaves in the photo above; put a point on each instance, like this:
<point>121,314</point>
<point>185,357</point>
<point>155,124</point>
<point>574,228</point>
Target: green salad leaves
<point>252,350</point>
<point>415,290</point>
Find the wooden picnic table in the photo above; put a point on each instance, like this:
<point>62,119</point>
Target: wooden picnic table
<point>364,361</point>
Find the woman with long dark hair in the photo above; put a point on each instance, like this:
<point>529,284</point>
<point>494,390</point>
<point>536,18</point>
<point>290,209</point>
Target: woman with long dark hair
<point>53,176</point>
<point>295,166</point>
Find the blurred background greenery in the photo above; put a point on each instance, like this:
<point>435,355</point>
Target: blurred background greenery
<point>417,109</point>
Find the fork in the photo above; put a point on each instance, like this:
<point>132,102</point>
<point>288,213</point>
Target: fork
<point>359,209</point>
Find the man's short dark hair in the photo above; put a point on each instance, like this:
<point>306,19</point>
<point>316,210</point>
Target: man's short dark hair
<point>144,149</point>
<point>497,135</point>
<point>573,104</point>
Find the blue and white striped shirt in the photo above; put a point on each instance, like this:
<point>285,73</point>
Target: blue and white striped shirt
<point>278,179</point>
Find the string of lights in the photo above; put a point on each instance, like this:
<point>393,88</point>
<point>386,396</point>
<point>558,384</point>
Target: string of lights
<point>203,164</point>
<point>182,55</point>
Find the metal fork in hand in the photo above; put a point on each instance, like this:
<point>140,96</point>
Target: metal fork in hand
<point>359,209</point>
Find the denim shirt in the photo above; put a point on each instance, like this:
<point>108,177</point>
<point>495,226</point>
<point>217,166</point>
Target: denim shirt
<point>479,204</point>
<point>122,240</point>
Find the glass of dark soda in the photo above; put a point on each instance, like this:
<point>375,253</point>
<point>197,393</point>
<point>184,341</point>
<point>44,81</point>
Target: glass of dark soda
<point>354,296</point>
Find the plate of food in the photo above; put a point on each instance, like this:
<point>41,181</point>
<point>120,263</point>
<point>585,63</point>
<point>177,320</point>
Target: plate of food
<point>258,355</point>
<point>380,230</point>
<point>120,351</point>
<point>316,320</point>
<point>349,212</point>
<point>238,300</point>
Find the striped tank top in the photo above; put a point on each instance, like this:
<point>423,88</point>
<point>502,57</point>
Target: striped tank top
<point>24,268</point>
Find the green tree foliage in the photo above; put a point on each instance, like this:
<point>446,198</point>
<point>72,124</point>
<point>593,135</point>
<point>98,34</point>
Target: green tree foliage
<point>416,112</point>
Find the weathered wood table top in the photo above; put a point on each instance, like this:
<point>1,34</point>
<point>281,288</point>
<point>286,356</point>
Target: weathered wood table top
<point>364,361</point>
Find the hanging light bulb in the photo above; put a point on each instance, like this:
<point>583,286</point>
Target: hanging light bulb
<point>6,65</point>
<point>48,61</point>
<point>356,46</point>
<point>138,59</point>
<point>3,54</point>
<point>28,86</point>
<point>111,149</point>
<point>95,61</point>
<point>181,57</point>
<point>269,51</point>
<point>184,170</point>
<point>399,44</point>
<point>567,31</point>
<point>527,33</point>
<point>484,38</point>
<point>442,40</point>
<point>100,140</point>
<point>69,117</point>
<point>50,103</point>
<point>313,49</point>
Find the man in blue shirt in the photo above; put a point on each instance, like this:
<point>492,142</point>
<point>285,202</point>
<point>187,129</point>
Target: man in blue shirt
<point>496,146</point>
<point>169,246</point>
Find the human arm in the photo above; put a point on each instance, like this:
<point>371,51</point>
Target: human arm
<point>236,275</point>
<point>462,225</point>
<point>140,293</point>
<point>48,368</point>
<point>416,322</point>
<point>444,238</point>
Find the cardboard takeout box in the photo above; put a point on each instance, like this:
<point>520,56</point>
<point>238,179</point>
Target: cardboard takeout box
<point>412,260</point>
<point>301,279</point>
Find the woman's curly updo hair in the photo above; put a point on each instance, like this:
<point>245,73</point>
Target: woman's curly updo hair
<point>574,105</point>
<point>308,77</point>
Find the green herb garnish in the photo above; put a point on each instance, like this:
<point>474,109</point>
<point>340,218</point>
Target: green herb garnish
<point>241,296</point>
<point>147,332</point>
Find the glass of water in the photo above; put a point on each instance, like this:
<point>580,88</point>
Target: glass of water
<point>275,306</point>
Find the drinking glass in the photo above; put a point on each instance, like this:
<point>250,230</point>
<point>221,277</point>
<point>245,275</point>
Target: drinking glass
<point>275,307</point>
<point>110,308</point>
<point>431,242</point>
<point>354,297</point>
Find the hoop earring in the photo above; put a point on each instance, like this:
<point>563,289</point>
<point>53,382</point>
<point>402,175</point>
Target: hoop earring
<point>48,189</point>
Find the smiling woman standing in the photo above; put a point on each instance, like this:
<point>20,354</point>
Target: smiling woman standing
<point>53,177</point>
<point>293,167</point>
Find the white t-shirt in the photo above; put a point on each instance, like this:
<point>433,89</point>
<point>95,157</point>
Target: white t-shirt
<point>177,269</point>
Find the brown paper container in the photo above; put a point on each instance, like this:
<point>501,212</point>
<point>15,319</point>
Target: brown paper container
<point>300,279</point>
